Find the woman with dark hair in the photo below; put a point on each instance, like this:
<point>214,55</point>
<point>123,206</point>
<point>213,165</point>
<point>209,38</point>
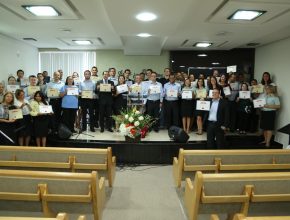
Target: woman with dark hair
<point>266,79</point>
<point>40,120</point>
<point>7,125</point>
<point>25,123</point>
<point>200,94</point>
<point>213,84</point>
<point>70,103</point>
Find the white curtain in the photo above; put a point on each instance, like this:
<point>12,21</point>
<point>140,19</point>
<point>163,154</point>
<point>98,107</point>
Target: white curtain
<point>68,61</point>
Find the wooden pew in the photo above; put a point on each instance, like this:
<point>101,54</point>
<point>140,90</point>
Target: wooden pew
<point>59,159</point>
<point>217,161</point>
<point>243,217</point>
<point>60,216</point>
<point>246,193</point>
<point>48,193</point>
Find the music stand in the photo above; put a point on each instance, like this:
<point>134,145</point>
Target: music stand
<point>285,130</point>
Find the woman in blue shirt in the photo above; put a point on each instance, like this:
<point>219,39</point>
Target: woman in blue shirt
<point>69,102</point>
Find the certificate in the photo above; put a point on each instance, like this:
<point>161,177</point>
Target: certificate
<point>77,81</point>
<point>154,89</point>
<point>172,93</point>
<point>31,90</point>
<point>186,94</point>
<point>231,69</point>
<point>122,88</point>
<point>227,91</point>
<point>72,91</point>
<point>24,82</point>
<point>94,78</point>
<point>200,93</point>
<point>136,88</point>
<point>45,109</point>
<point>87,94</point>
<point>244,94</point>
<point>105,87</point>
<point>259,103</point>
<point>234,86</point>
<point>129,83</point>
<point>12,88</point>
<point>15,114</point>
<point>210,93</point>
<point>258,89</point>
<point>202,105</point>
<point>51,92</point>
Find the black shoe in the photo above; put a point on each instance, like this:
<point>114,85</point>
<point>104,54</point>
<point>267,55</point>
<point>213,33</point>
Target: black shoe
<point>110,130</point>
<point>102,130</point>
<point>92,129</point>
<point>97,125</point>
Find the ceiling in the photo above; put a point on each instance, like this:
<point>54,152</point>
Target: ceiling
<point>111,24</point>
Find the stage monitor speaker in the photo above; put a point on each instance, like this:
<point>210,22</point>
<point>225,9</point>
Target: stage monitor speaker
<point>177,134</point>
<point>64,132</point>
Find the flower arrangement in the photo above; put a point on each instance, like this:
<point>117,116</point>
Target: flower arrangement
<point>134,124</point>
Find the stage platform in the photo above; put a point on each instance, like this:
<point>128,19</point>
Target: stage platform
<point>156,148</point>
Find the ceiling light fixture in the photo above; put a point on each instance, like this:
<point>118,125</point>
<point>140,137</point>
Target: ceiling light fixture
<point>216,63</point>
<point>144,35</point>
<point>146,16</point>
<point>83,42</point>
<point>202,44</point>
<point>181,66</point>
<point>202,55</point>
<point>248,15</point>
<point>42,10</point>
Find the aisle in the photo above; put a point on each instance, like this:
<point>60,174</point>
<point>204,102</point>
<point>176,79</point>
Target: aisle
<point>144,193</point>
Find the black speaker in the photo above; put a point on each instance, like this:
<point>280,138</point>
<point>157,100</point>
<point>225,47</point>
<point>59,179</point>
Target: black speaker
<point>177,134</point>
<point>63,131</point>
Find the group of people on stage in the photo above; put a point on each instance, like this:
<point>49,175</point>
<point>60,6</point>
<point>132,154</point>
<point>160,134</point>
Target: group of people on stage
<point>220,102</point>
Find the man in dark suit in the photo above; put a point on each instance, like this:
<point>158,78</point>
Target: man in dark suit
<point>218,121</point>
<point>105,102</point>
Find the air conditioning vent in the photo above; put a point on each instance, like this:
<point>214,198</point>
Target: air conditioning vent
<point>253,44</point>
<point>29,39</point>
<point>184,42</point>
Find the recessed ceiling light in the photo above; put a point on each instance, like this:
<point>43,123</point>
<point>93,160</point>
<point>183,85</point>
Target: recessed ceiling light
<point>83,42</point>
<point>172,61</point>
<point>144,35</point>
<point>146,16</point>
<point>248,15</point>
<point>202,44</point>
<point>202,55</point>
<point>41,10</point>
<point>182,66</point>
<point>216,63</point>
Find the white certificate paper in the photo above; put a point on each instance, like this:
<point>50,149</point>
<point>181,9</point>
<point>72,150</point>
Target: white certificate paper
<point>77,81</point>
<point>154,89</point>
<point>232,69</point>
<point>258,89</point>
<point>259,103</point>
<point>172,93</point>
<point>227,91</point>
<point>234,86</point>
<point>244,94</point>
<point>12,88</point>
<point>32,89</point>
<point>87,94</point>
<point>186,94</point>
<point>202,105</point>
<point>15,114</point>
<point>51,92</point>
<point>72,91</point>
<point>45,109</point>
<point>136,88</point>
<point>210,93</point>
<point>122,88</point>
<point>200,93</point>
<point>105,87</point>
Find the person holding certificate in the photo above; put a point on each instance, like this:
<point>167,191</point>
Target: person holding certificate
<point>232,104</point>
<point>25,123</point>
<point>245,108</point>
<point>213,84</point>
<point>268,114</point>
<point>40,82</point>
<point>154,99</point>
<point>87,89</point>
<point>171,91</point>
<point>32,88</point>
<point>52,91</point>
<point>218,121</point>
<point>105,88</point>
<point>69,103</point>
<point>40,119</point>
<point>200,94</point>
<point>2,91</point>
<point>7,125</point>
<point>187,105</point>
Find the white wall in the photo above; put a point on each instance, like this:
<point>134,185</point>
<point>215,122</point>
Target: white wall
<point>117,59</point>
<point>274,58</point>
<point>16,55</point>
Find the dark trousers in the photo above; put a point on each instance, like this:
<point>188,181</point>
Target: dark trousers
<point>153,108</point>
<point>68,117</point>
<point>56,117</point>
<point>87,105</point>
<point>96,111</point>
<point>233,115</point>
<point>243,121</point>
<point>105,111</point>
<point>215,136</point>
<point>171,113</point>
